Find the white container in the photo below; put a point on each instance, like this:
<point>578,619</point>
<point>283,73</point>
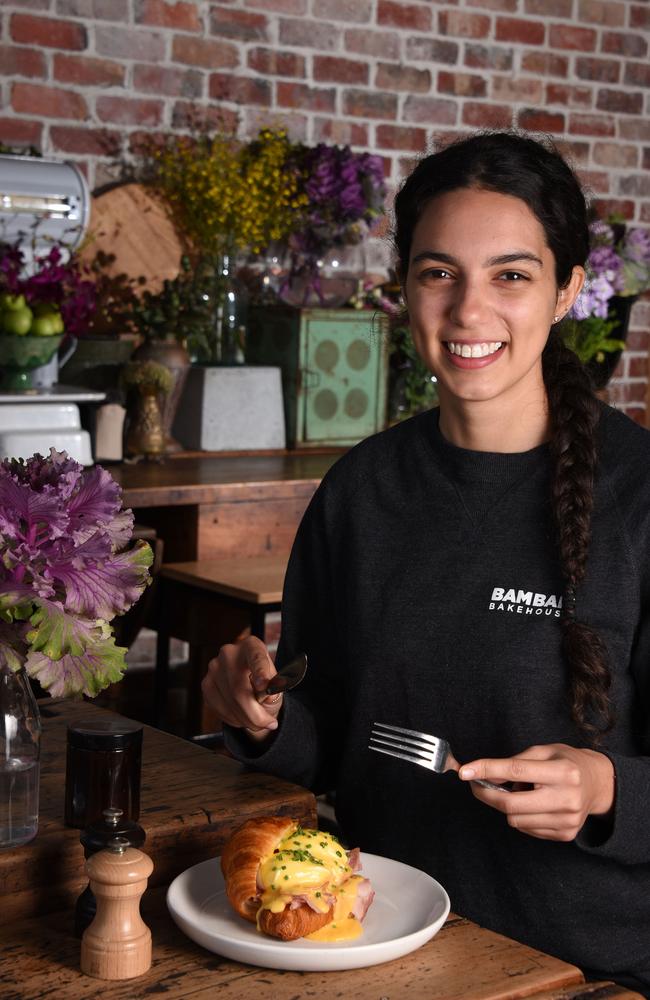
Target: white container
<point>236,408</point>
<point>27,428</point>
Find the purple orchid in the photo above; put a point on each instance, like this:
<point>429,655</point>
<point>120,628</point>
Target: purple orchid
<point>65,572</point>
<point>617,265</point>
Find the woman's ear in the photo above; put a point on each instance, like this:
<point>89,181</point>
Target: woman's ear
<point>566,296</point>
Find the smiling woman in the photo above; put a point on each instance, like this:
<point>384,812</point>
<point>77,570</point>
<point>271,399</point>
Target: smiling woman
<point>482,572</point>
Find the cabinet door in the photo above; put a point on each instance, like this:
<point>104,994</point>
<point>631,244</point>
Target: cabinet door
<point>343,378</point>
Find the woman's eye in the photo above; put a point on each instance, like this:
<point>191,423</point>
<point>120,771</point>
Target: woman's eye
<point>437,273</point>
<point>513,276</point>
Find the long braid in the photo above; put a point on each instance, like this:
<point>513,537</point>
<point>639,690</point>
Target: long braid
<point>574,413</point>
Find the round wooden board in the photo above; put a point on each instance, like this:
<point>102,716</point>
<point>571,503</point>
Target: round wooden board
<point>129,222</point>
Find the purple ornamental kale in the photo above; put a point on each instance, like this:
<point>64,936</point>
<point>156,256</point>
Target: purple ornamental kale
<point>64,572</point>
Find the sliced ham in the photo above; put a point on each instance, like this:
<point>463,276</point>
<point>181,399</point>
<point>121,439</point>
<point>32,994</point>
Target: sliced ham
<point>364,897</point>
<point>354,859</point>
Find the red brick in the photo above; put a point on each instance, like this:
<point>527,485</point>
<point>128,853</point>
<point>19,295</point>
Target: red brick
<point>241,25</point>
<point>240,89</point>
<point>32,4</point>
<point>430,111</point>
<point>88,72</point>
<point>22,62</point>
<point>634,128</point>
<point>639,17</point>
<point>645,212</point>
<point>535,120</point>
<point>613,206</point>
<point>18,132</point>
<point>635,185</point>
<point>488,57</point>
<point>309,34</point>
<point>572,97</point>
<point>646,159</point>
<point>49,102</point>
<point>524,89</point>
<point>513,29</point>
<point>291,7</point>
<point>333,69</point>
<point>130,43</point>
<point>345,10</point>
<point>171,82</point>
<point>423,49</point>
<point>383,44</point>
<point>403,15</point>
<point>620,101</point>
<point>592,125</point>
<point>128,111</point>
<point>638,365</point>
<point>622,44</point>
<point>637,74</point>
<point>399,137</point>
<point>498,5</point>
<point>91,141</point>
<point>595,181</point>
<point>461,84</point>
<point>205,53</point>
<point>627,392</point>
<point>391,76</point>
<point>299,95</point>
<point>576,153</point>
<point>182,16</point>
<point>545,64</point>
<point>603,70</point>
<point>638,340</point>
<point>462,24</point>
<point>615,154</point>
<point>272,62</point>
<point>184,116</point>
<point>369,104</point>
<point>48,31</point>
<point>341,132</point>
<point>549,8</point>
<point>606,12</point>
<point>95,10</point>
<point>295,125</point>
<point>487,115</point>
<point>568,36</point>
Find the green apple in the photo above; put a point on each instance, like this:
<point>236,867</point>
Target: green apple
<point>16,321</point>
<point>44,326</point>
<point>50,311</point>
<point>12,303</point>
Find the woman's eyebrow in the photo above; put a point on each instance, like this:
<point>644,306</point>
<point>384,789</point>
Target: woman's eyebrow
<point>505,258</point>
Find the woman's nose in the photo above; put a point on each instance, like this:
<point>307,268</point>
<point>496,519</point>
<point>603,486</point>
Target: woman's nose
<point>468,304</point>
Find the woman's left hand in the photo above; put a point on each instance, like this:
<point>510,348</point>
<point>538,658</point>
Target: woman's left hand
<point>562,787</point>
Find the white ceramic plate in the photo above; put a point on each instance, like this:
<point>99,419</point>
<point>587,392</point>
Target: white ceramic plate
<point>408,909</point>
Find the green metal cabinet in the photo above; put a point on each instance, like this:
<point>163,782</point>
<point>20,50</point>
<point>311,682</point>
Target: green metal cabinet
<point>334,370</point>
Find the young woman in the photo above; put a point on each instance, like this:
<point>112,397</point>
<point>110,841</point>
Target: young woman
<point>480,573</point>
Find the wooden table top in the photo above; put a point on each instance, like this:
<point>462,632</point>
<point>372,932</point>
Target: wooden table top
<point>191,801</point>
<point>200,479</point>
<point>257,579</point>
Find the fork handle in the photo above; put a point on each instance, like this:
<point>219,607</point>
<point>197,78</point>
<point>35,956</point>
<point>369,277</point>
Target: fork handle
<point>490,784</point>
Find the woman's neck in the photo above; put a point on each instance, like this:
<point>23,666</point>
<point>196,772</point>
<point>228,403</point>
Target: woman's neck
<point>494,424</point>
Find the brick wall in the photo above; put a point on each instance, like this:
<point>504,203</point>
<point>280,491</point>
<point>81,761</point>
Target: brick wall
<point>83,78</point>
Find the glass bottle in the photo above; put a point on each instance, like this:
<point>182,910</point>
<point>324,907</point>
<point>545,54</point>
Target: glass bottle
<point>231,315</point>
<point>20,743</point>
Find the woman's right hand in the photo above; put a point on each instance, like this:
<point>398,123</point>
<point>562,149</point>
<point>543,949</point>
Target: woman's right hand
<point>230,684</point>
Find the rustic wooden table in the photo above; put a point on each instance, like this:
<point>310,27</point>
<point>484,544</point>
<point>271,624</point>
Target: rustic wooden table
<point>191,799</point>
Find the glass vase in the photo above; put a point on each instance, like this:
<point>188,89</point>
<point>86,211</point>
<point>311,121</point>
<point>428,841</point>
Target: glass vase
<point>327,281</point>
<point>230,316</point>
<point>20,743</point>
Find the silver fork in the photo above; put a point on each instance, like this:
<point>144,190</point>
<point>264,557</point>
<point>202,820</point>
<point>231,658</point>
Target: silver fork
<point>428,751</point>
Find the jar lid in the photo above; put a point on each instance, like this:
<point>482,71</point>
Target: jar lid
<point>112,733</point>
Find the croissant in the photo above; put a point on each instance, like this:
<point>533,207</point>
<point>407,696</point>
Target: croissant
<point>286,879</point>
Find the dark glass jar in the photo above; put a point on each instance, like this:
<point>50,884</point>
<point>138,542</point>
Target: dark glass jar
<point>102,770</point>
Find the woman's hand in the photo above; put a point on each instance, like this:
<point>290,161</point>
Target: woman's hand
<point>231,681</point>
<point>568,785</point>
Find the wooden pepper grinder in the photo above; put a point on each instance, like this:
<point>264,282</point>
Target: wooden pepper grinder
<point>117,945</point>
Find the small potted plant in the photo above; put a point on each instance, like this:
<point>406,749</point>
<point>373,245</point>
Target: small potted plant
<point>150,381</point>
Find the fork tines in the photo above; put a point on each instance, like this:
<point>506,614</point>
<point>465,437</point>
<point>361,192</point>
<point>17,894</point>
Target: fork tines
<point>407,744</point>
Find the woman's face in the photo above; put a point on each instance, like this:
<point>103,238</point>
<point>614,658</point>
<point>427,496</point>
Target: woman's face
<point>482,294</point>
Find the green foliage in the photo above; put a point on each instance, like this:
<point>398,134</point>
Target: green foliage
<point>412,388</point>
<point>591,338</point>
<point>145,375</point>
<point>183,308</point>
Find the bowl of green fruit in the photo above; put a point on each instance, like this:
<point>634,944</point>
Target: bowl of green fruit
<point>29,339</point>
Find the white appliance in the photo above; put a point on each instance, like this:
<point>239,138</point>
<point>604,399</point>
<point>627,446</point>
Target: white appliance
<point>41,420</point>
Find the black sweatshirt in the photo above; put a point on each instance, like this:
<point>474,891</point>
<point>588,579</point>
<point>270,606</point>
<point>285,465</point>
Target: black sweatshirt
<point>425,587</point>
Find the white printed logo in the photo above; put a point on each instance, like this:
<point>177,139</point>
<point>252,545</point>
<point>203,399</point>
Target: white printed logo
<point>525,602</point>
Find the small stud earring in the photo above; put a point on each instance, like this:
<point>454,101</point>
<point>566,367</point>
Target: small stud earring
<point>555,319</point>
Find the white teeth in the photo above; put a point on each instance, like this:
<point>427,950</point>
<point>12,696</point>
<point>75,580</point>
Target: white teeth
<point>474,350</point>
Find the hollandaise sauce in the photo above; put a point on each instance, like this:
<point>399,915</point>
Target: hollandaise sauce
<point>307,863</point>
<point>342,926</point>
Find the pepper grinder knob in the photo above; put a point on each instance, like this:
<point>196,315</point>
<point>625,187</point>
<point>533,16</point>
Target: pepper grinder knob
<point>117,944</point>
<point>112,816</point>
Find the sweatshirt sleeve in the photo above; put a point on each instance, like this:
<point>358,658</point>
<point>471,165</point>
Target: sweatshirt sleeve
<point>307,745</point>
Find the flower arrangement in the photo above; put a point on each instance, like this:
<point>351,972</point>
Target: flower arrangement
<point>225,195</point>
<point>65,572</point>
<point>618,266</point>
<point>52,282</point>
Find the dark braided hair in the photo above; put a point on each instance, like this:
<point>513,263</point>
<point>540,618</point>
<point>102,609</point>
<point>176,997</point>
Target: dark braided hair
<point>514,164</point>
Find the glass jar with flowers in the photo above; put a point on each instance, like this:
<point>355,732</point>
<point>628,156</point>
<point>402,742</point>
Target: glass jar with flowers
<point>65,573</point>
<point>618,271</point>
<point>225,197</point>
